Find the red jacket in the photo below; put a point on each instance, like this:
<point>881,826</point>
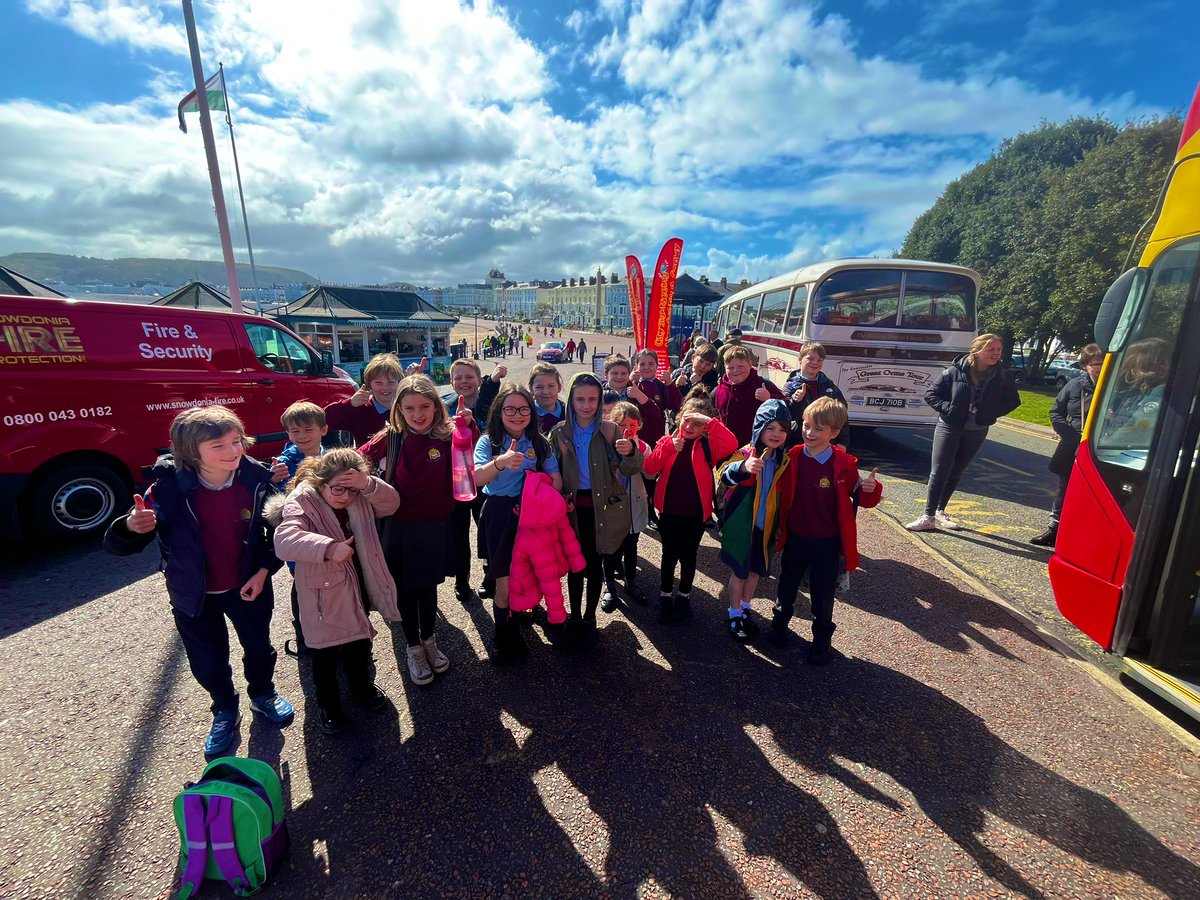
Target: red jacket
<point>846,483</point>
<point>737,405</point>
<point>721,443</point>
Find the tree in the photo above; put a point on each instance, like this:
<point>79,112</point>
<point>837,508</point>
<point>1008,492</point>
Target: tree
<point>1016,218</point>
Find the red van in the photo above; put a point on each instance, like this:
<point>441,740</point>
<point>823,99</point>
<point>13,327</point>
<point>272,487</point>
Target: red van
<point>88,391</point>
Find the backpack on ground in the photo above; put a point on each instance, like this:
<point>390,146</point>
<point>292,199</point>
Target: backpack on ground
<point>231,826</point>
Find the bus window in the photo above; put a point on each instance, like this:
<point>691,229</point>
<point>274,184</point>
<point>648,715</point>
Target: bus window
<point>774,311</point>
<point>941,301</point>
<point>735,319</point>
<point>859,297</point>
<point>750,308</point>
<point>795,319</point>
<point>1128,411</point>
<point>722,322</point>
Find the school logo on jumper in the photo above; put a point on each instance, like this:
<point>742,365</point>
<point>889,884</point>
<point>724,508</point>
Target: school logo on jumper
<point>434,454</point>
<point>824,482</point>
<point>245,514</point>
<point>531,453</point>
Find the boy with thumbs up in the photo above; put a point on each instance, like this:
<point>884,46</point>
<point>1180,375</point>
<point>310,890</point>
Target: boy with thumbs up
<point>206,510</point>
<point>820,489</point>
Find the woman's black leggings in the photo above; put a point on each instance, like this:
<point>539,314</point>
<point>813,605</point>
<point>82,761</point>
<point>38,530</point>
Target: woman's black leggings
<point>953,450</point>
<point>680,537</point>
<point>418,609</point>
<point>585,516</point>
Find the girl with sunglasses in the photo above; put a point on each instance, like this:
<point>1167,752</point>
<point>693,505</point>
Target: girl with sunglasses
<point>512,446</point>
<point>326,525</point>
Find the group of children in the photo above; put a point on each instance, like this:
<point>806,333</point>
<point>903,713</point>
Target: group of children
<point>565,488</point>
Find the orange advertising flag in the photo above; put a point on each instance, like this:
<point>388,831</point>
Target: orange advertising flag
<point>637,299</point>
<point>662,293</point>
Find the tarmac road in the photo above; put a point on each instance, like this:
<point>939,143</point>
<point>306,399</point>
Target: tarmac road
<point>948,750</point>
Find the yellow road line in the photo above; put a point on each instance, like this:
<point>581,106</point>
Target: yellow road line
<point>1052,438</point>
<point>1012,469</point>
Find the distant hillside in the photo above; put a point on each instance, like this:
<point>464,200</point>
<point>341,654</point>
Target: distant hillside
<point>80,270</point>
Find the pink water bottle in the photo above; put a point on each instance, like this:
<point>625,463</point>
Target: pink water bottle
<point>462,457</point>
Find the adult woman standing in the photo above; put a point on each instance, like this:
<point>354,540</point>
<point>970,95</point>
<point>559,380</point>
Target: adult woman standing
<point>972,393</point>
<point>1067,415</point>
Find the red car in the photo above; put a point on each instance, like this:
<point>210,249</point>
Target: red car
<point>552,351</point>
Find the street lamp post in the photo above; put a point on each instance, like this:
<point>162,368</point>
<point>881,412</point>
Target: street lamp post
<point>475,313</point>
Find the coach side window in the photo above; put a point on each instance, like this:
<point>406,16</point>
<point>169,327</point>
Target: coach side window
<point>774,311</point>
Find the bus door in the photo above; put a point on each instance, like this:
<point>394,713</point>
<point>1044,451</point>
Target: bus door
<point>1124,531</point>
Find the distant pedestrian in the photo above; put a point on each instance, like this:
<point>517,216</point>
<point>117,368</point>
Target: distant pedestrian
<point>582,348</point>
<point>206,508</point>
<point>570,349</point>
<point>1067,416</point>
<point>971,394</point>
<point>325,526</point>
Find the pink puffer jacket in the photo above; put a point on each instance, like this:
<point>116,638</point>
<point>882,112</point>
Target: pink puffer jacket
<point>546,549</point>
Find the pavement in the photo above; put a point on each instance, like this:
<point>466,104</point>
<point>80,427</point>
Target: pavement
<point>949,750</point>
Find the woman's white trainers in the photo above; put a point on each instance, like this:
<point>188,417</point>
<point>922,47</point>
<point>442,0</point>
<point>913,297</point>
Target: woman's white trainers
<point>925,523</point>
<point>944,521</point>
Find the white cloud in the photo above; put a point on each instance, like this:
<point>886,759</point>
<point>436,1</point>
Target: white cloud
<point>417,139</point>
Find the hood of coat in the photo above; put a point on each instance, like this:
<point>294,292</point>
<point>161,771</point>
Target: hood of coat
<point>770,411</point>
<point>585,379</point>
<point>541,504</point>
<point>273,508</point>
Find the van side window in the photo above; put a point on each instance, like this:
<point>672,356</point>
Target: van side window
<point>279,352</point>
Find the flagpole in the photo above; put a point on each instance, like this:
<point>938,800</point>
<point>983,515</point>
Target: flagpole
<point>241,196</point>
<point>210,151</point>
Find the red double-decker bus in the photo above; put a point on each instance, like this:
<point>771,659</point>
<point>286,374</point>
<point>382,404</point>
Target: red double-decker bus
<point>1126,568</point>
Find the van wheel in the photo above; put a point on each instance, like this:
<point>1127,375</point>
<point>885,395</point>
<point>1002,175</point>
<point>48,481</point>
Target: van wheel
<point>78,500</point>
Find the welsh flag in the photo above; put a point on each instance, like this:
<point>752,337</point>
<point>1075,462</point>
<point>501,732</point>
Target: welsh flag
<point>214,88</point>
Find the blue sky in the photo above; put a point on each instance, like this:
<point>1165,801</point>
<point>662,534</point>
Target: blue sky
<point>430,141</point>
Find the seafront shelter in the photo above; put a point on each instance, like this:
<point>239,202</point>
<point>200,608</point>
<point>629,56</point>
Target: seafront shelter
<point>355,323</point>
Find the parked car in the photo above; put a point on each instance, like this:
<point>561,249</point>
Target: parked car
<point>552,351</point>
<point>1059,373</point>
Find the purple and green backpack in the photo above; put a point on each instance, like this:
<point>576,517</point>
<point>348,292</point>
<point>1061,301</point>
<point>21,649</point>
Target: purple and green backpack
<point>231,826</point>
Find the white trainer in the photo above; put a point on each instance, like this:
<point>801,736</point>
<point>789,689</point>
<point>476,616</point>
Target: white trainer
<point>944,521</point>
<point>418,665</point>
<point>925,523</point>
<point>438,661</point>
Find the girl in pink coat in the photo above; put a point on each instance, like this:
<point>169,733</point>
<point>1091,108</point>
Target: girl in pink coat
<point>326,525</point>
<point>512,447</point>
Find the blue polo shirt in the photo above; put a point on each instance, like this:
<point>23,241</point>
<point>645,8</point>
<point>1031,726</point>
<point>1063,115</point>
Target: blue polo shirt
<point>510,482</point>
<point>582,439</point>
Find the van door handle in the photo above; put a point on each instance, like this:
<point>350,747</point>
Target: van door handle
<point>266,381</point>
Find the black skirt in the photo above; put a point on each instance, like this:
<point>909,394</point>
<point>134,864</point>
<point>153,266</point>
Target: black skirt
<point>498,534</point>
<point>419,554</point>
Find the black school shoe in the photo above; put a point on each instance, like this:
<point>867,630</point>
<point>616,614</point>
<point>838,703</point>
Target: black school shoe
<point>819,656</point>
<point>738,630</point>
<point>373,699</point>
<point>333,721</point>
<point>608,600</point>
<point>750,624</point>
<point>466,596</point>
<point>636,594</point>
<point>683,608</point>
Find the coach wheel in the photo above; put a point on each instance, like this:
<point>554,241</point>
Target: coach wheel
<point>78,500</point>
